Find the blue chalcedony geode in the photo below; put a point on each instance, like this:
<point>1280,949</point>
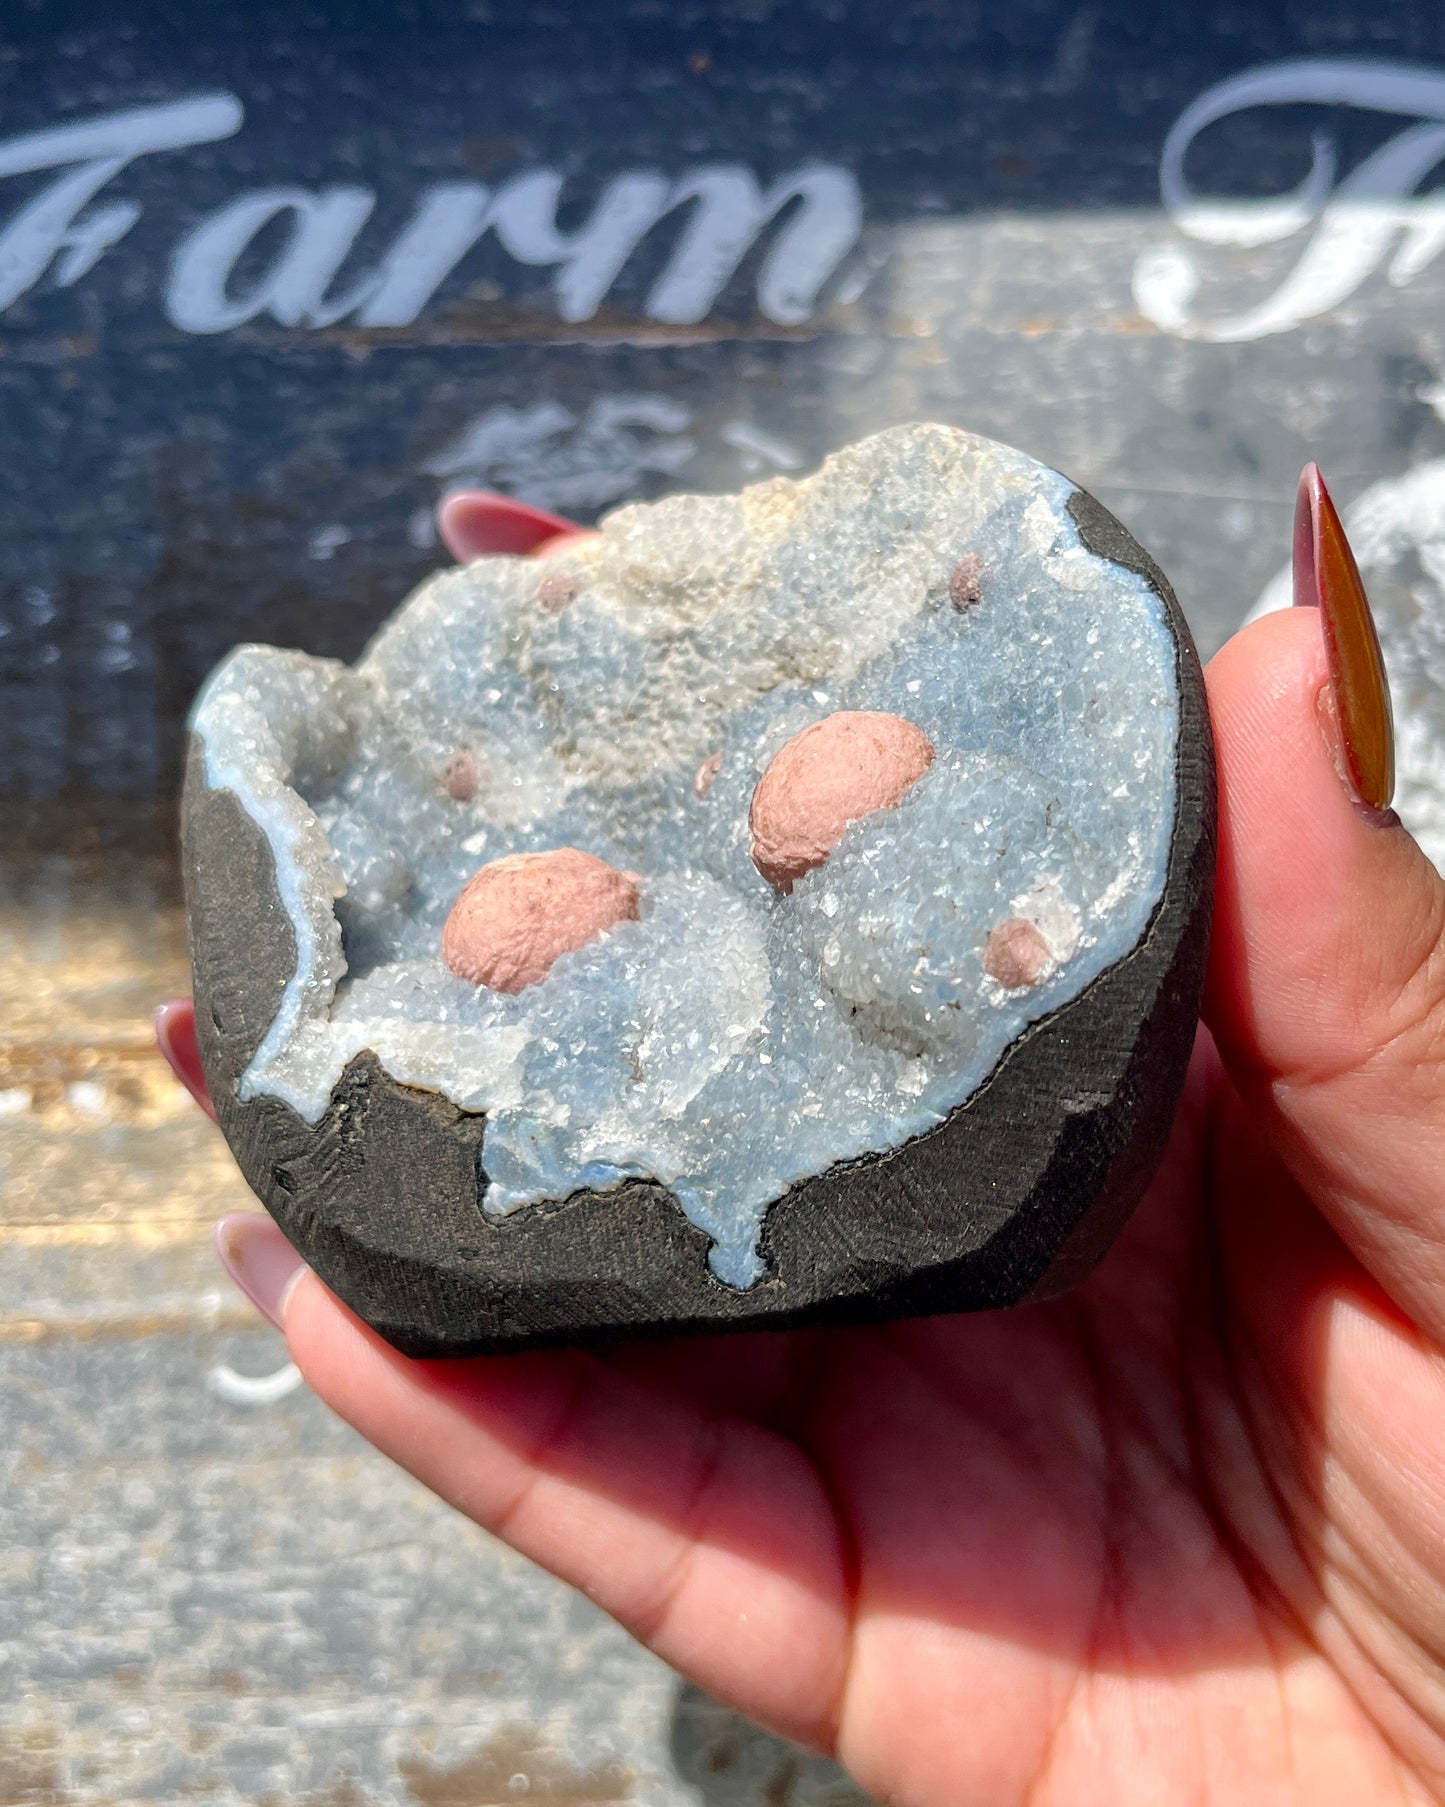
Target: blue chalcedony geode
<point>732,1044</point>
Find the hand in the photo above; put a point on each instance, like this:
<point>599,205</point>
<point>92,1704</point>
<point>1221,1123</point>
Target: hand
<point>1178,1536</point>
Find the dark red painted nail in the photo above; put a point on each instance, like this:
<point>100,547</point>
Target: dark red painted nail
<point>176,1038</point>
<point>476,522</point>
<point>1326,577</point>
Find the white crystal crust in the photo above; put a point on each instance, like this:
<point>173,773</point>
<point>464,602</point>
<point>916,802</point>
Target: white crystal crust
<point>731,1042</point>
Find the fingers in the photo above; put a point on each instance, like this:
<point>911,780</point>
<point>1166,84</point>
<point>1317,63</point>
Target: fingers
<point>474,523</point>
<point>176,1038</point>
<point>709,1538</point>
<point>1326,992</point>
<point>258,1258</point>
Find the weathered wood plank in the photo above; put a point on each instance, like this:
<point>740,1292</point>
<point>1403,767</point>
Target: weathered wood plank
<point>223,1601</point>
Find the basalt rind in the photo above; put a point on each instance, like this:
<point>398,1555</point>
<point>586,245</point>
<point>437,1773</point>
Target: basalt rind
<point>1015,1196</point>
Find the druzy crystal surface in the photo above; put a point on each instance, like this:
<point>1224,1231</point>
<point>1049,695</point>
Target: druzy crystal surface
<point>732,1041</point>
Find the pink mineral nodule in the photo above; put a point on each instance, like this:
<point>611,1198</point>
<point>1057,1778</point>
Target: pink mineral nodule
<point>519,915</point>
<point>965,582</point>
<point>460,777</point>
<point>556,591</point>
<point>842,768</point>
<point>704,776</point>
<point>1016,954</point>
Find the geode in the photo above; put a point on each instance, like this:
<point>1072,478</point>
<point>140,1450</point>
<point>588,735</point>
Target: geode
<point>937,1074</point>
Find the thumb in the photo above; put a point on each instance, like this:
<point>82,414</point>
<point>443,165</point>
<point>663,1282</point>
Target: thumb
<point>1326,991</point>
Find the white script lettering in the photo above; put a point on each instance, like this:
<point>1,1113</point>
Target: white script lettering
<point>47,227</point>
<point>1354,221</point>
<point>323,228</point>
<point>814,214</point>
<point>558,461</point>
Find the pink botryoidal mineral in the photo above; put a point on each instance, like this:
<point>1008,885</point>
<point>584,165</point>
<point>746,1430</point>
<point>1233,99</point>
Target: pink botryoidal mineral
<point>556,591</point>
<point>1016,955</point>
<point>460,777</point>
<point>841,769</point>
<point>965,582</point>
<point>517,916</point>
<point>705,776</point>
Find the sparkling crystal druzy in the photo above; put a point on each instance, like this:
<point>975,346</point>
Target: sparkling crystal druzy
<point>934,1074</point>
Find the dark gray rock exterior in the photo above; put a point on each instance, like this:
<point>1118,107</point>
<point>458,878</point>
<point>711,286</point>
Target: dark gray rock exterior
<point>1015,1197</point>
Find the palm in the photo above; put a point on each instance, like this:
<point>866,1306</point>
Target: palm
<point>1132,1545</point>
<point>1179,1536</point>
<point>1038,1532</point>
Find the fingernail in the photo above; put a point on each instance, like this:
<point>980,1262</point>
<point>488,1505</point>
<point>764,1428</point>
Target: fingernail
<point>559,542</point>
<point>176,1038</point>
<point>1356,715</point>
<point>260,1260</point>
<point>476,522</point>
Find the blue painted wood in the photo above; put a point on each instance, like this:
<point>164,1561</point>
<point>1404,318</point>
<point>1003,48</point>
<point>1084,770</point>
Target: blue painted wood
<point>167,489</point>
